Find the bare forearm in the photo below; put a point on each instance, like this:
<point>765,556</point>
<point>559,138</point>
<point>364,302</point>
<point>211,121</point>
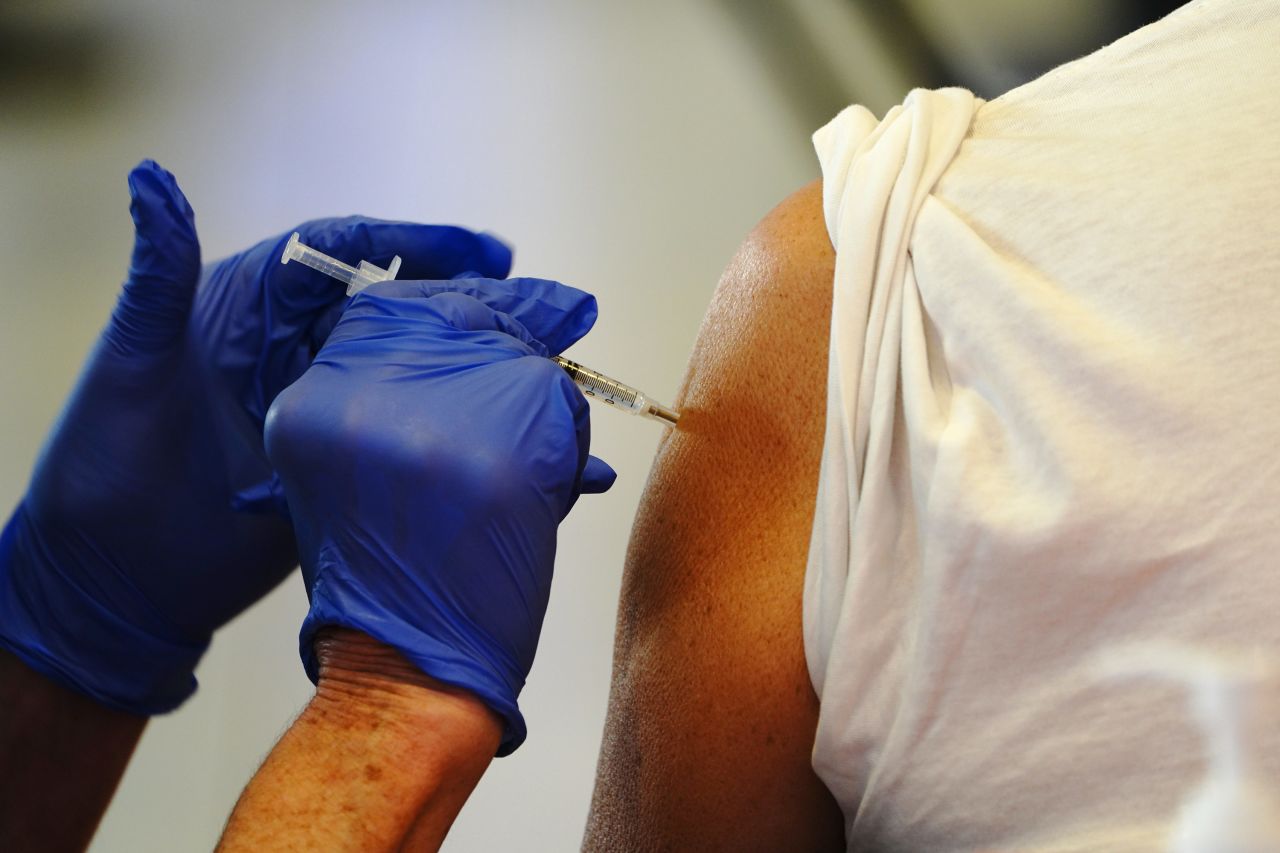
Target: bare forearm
<point>383,758</point>
<point>63,755</point>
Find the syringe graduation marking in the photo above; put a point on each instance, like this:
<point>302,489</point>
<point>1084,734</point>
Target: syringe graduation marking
<point>592,383</point>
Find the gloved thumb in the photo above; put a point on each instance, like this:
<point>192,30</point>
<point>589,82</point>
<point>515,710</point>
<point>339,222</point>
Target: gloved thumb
<point>597,476</point>
<point>153,307</point>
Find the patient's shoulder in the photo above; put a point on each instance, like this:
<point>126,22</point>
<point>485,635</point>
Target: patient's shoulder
<point>712,715</point>
<point>756,374</point>
<point>755,390</point>
<point>773,300</point>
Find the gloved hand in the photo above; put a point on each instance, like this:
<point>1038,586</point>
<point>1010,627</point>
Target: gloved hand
<point>126,552</point>
<point>428,456</point>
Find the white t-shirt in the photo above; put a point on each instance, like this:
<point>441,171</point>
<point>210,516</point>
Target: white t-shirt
<point>1053,431</point>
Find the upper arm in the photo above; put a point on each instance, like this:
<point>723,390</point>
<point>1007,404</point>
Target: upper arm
<point>712,714</point>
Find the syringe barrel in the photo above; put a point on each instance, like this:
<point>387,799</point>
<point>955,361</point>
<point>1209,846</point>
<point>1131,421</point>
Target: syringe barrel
<point>600,387</point>
<point>604,389</point>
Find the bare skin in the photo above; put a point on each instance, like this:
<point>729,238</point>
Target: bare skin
<point>712,713</point>
<point>383,758</point>
<point>63,755</point>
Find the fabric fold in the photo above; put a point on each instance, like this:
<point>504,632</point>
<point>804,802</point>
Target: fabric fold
<point>876,176</point>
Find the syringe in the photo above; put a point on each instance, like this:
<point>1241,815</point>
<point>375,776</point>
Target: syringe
<point>593,384</point>
<point>597,386</point>
<point>355,278</point>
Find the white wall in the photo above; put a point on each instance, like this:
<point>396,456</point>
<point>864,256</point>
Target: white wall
<point>624,148</point>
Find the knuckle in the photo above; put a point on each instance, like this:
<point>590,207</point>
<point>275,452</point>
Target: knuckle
<point>286,425</point>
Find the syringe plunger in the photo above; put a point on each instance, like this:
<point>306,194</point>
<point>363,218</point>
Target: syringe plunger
<point>355,278</point>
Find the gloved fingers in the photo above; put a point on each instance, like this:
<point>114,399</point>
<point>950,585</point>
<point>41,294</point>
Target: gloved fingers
<point>322,324</point>
<point>468,314</point>
<point>165,267</point>
<point>457,310</point>
<point>556,314</point>
<point>597,476</point>
<point>428,251</point>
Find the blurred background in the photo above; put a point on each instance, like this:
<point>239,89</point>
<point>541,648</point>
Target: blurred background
<point>625,148</point>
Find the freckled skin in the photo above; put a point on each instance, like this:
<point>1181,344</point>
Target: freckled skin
<point>712,714</point>
<point>381,759</point>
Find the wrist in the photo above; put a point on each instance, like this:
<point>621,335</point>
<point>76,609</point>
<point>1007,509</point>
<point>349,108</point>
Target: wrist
<point>382,758</point>
<point>63,755</point>
<point>364,678</point>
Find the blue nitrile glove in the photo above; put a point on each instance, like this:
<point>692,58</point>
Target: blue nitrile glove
<point>428,456</point>
<point>126,552</point>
